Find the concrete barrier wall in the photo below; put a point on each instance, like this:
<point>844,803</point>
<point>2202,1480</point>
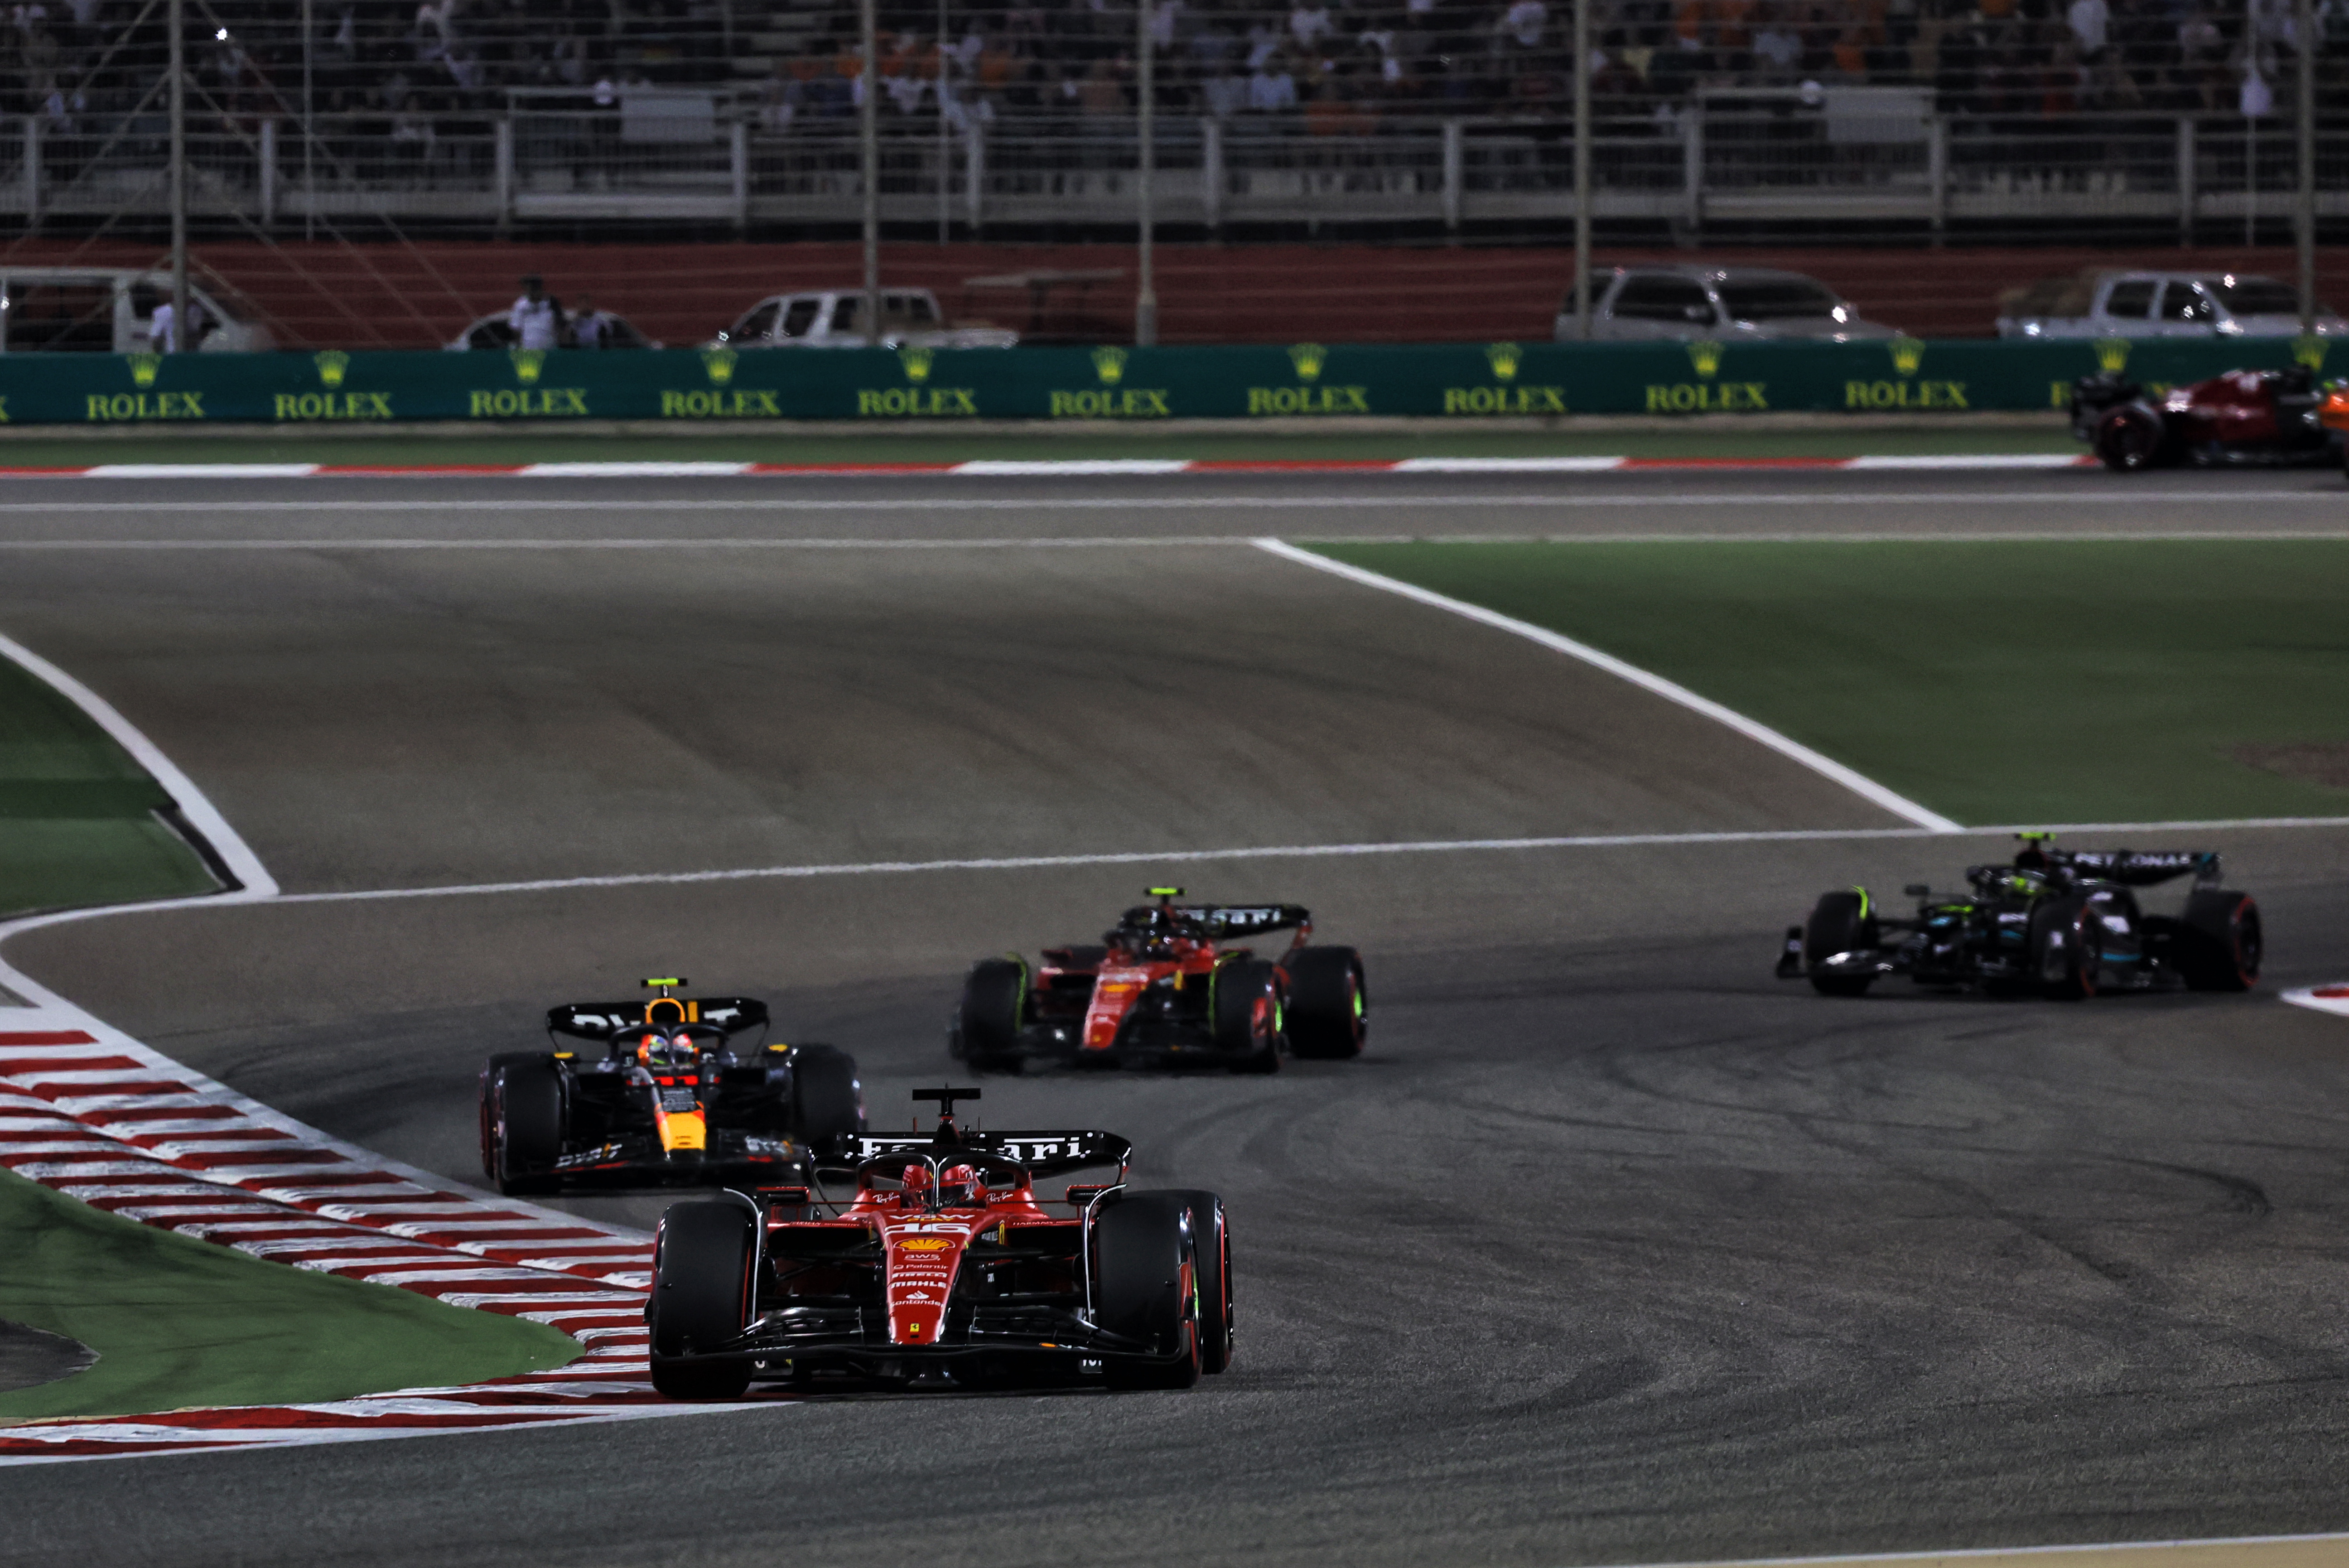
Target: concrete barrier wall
<point>1467,382</point>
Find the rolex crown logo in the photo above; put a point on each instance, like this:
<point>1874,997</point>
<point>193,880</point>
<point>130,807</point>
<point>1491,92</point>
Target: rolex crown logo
<point>2308,350</point>
<point>2112,353</point>
<point>1503,358</point>
<point>916,362</point>
<point>527,363</point>
<point>143,368</point>
<point>1705,355</point>
<point>1907,355</point>
<point>1308,357</point>
<point>1108,364</point>
<point>719,364</point>
<point>332,366</point>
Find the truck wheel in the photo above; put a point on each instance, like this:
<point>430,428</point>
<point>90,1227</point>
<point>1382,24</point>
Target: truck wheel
<point>2063,949</point>
<point>700,1298</point>
<point>2221,949</point>
<point>1146,1287</point>
<point>2130,439</point>
<point>489,1103</point>
<point>526,1124</point>
<point>994,1007</point>
<point>1211,1250</point>
<point>1328,1005</point>
<point>1248,1015</point>
<point>827,1100</point>
<point>1839,924</point>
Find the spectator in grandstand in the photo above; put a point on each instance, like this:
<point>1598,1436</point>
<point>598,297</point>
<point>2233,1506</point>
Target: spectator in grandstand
<point>1271,88</point>
<point>537,321</point>
<point>589,325</point>
<point>2089,20</point>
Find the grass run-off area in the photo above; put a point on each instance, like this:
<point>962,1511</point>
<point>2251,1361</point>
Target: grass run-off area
<point>1694,439</point>
<point>77,823</point>
<point>1994,682</point>
<point>178,1322</point>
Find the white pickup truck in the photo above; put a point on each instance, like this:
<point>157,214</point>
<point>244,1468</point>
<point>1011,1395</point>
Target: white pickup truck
<point>834,318</point>
<point>2095,304</point>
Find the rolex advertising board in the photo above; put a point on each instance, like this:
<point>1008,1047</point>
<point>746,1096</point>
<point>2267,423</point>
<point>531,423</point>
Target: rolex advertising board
<point>1466,382</point>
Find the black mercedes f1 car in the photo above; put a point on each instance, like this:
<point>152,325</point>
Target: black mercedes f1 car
<point>1162,989</point>
<point>2059,922</point>
<point>679,1092</point>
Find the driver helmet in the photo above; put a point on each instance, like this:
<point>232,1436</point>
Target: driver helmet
<point>914,1183</point>
<point>2026,881</point>
<point>961,1187</point>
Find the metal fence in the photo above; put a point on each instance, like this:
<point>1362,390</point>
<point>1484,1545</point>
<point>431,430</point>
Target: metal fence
<point>1703,165</point>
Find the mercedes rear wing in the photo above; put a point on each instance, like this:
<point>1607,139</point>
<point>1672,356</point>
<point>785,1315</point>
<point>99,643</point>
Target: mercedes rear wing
<point>2141,867</point>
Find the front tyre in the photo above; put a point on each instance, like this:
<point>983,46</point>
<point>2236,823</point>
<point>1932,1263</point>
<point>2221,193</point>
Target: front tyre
<point>1146,1287</point>
<point>827,1099</point>
<point>1328,1005</point>
<point>1211,1252</point>
<point>2130,439</point>
<point>525,1133</point>
<point>2223,941</point>
<point>2063,949</point>
<point>994,1009</point>
<point>700,1299</point>
<point>1840,923</point>
<point>1248,1015</point>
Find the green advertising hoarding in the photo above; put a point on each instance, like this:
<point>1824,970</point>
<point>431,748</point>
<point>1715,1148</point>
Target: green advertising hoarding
<point>1467,382</point>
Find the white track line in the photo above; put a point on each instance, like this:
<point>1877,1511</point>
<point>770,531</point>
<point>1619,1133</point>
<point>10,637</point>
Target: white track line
<point>1177,541</point>
<point>2332,998</point>
<point>1826,767</point>
<point>2231,1552</point>
<point>231,849</point>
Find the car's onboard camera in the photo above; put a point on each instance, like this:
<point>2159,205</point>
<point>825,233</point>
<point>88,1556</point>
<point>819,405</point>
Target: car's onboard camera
<point>1162,990</point>
<point>680,1092</point>
<point>938,1266</point>
<point>2064,923</point>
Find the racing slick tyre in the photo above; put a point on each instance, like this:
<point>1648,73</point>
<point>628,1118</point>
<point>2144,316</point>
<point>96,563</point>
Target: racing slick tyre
<point>489,1105</point>
<point>1328,1005</point>
<point>1146,1287</point>
<point>2063,949</point>
<point>1249,1016</point>
<point>994,1006</point>
<point>827,1100</point>
<point>700,1297</point>
<point>1839,924</point>
<point>2221,949</point>
<point>2130,439</point>
<point>1211,1249</point>
<point>525,1112</point>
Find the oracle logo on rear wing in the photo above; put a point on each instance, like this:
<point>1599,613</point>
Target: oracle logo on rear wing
<point>603,1020</point>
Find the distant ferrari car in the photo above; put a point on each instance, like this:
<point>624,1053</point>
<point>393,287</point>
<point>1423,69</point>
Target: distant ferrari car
<point>940,1267</point>
<point>1162,990</point>
<point>2242,419</point>
<point>675,1096</point>
<point>2058,922</point>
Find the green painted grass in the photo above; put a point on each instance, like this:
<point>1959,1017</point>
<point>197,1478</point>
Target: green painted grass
<point>78,824</point>
<point>178,1322</point>
<point>1991,681</point>
<point>946,446</point>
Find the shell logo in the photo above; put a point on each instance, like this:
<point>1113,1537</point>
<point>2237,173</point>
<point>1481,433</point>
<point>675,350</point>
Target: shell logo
<point>924,1245</point>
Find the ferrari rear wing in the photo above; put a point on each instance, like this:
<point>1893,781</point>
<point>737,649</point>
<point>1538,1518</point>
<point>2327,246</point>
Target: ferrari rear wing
<point>2142,867</point>
<point>600,1020</point>
<point>1222,920</point>
<point>1040,1154</point>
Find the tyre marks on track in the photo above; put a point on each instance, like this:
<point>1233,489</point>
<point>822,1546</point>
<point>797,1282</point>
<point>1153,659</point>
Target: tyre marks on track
<point>99,1118</point>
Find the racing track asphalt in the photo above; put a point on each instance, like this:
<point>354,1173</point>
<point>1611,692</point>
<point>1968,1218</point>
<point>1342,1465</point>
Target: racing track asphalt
<point>1610,1249</point>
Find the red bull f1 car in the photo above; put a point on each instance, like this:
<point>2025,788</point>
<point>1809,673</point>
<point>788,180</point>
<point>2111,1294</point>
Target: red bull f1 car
<point>2065,923</point>
<point>936,1263</point>
<point>675,1091</point>
<point>1164,990</point>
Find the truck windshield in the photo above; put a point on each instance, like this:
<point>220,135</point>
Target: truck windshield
<point>1776,298</point>
<point>2256,296</point>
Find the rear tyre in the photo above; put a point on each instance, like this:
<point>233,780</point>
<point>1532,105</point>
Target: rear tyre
<point>1211,1253</point>
<point>1328,1005</point>
<point>2063,949</point>
<point>700,1299</point>
<point>994,1007</point>
<point>1146,1287</point>
<point>525,1124</point>
<point>1839,924</point>
<point>827,1100</point>
<point>2222,941</point>
<point>2130,439</point>
<point>1249,1019</point>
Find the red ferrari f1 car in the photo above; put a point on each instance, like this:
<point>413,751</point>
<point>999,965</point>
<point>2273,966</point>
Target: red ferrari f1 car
<point>942,1268</point>
<point>676,1096</point>
<point>2242,419</point>
<point>1162,990</point>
